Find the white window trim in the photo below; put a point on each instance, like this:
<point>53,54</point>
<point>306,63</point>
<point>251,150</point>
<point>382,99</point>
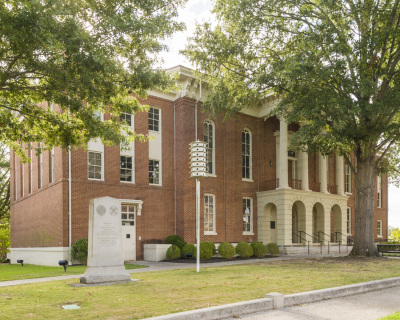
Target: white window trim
<point>214,232</point>
<point>380,229</point>
<point>347,192</point>
<point>130,201</point>
<point>102,165</point>
<point>133,167</point>
<point>159,176</point>
<point>22,179</point>
<point>41,167</point>
<point>132,120</point>
<point>349,209</point>
<point>379,191</point>
<point>15,178</point>
<point>251,232</point>
<point>52,165</point>
<point>31,169</point>
<point>159,119</point>
<point>214,174</point>
<point>251,157</point>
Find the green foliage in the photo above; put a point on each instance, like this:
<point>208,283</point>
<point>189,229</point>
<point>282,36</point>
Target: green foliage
<point>333,65</point>
<point>4,239</point>
<point>173,253</point>
<point>4,183</point>
<point>395,235</point>
<point>176,241</point>
<point>226,250</point>
<point>75,52</point>
<point>244,250</point>
<point>79,251</point>
<point>207,249</point>
<point>259,249</point>
<point>189,248</point>
<point>272,248</point>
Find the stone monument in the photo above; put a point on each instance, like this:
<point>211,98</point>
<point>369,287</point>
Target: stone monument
<point>105,261</point>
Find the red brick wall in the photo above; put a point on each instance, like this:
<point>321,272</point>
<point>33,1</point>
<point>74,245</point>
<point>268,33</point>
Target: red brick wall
<point>41,217</point>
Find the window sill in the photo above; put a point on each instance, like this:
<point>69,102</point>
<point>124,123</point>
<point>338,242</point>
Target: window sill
<point>248,233</point>
<point>247,180</point>
<point>348,193</point>
<point>211,175</point>
<point>154,184</point>
<point>131,182</point>
<point>152,131</point>
<point>91,179</point>
<point>210,233</point>
<point>380,236</point>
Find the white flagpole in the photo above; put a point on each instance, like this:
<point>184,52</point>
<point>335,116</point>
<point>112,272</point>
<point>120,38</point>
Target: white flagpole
<point>198,223</point>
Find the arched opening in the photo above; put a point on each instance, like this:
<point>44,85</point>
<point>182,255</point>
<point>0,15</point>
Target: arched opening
<point>318,223</point>
<point>267,231</point>
<point>298,221</point>
<point>337,223</point>
<point>295,225</point>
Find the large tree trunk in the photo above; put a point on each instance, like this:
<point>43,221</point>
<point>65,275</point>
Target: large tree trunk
<point>365,203</point>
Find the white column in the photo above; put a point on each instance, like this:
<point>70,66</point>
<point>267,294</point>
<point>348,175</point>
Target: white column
<point>340,174</point>
<point>283,156</point>
<point>322,174</point>
<point>304,170</point>
<point>284,223</point>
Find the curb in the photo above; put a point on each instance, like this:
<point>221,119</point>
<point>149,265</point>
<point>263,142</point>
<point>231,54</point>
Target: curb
<point>265,304</point>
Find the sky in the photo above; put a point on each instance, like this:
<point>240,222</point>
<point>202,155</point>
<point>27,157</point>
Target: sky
<point>200,11</point>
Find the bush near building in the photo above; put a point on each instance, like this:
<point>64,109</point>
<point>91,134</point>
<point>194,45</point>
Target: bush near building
<point>226,250</point>
<point>244,250</point>
<point>173,253</point>
<point>79,250</point>
<point>272,248</point>
<point>259,249</point>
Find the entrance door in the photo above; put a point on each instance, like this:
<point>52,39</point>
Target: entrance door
<point>315,223</point>
<point>295,225</point>
<point>128,215</point>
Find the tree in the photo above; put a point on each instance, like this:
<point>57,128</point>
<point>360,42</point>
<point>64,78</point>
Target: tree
<point>84,56</point>
<point>4,184</point>
<point>336,68</point>
<point>395,234</point>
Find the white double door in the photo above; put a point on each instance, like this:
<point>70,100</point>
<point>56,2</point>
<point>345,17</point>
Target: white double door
<point>128,217</point>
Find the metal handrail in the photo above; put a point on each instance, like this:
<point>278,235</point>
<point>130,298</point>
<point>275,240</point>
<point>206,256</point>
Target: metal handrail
<point>311,237</point>
<point>329,237</point>
<point>304,240</point>
<point>349,239</point>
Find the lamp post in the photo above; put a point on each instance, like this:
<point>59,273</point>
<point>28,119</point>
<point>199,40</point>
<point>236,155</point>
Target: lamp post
<point>198,169</point>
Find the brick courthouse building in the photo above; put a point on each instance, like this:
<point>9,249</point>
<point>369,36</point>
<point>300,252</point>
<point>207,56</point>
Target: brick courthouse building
<point>256,189</point>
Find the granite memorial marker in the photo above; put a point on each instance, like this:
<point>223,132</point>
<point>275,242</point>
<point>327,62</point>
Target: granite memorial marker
<point>105,260</point>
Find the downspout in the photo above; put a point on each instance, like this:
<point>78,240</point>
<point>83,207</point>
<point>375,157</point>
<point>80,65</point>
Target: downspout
<point>195,116</point>
<point>69,206</point>
<point>175,162</point>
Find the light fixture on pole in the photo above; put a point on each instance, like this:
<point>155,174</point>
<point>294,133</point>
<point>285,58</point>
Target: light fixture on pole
<point>198,169</point>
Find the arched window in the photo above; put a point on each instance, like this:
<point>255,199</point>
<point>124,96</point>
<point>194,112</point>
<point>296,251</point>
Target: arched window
<point>246,154</point>
<point>209,138</point>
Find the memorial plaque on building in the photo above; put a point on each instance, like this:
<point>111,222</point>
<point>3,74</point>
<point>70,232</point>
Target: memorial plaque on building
<point>105,261</point>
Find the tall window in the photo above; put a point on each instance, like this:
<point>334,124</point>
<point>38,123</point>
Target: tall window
<point>209,139</point>
<point>154,119</point>
<point>209,213</point>
<point>247,215</point>
<point>22,179</point>
<point>379,189</point>
<point>52,165</point>
<point>41,167</point>
<point>154,172</point>
<point>126,117</point>
<point>94,165</point>
<point>379,228</point>
<point>31,169</point>
<point>128,212</point>
<point>15,178</point>
<point>126,169</point>
<point>246,154</point>
<point>347,179</point>
<point>348,220</point>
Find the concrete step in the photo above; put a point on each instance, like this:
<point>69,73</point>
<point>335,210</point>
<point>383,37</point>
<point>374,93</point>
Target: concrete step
<point>296,250</point>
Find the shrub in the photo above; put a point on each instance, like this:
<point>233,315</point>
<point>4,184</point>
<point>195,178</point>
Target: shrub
<point>79,250</point>
<point>226,250</point>
<point>176,241</point>
<point>272,248</point>
<point>244,250</point>
<point>259,249</point>
<point>189,248</point>
<point>4,240</point>
<point>173,253</point>
<point>206,250</point>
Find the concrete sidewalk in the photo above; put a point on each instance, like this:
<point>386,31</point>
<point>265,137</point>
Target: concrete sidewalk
<point>160,266</point>
<point>366,306</point>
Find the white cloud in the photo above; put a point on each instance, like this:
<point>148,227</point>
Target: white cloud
<point>195,10</point>
<point>394,207</point>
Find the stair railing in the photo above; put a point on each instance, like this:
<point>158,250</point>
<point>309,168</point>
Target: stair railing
<point>311,237</point>
<point>329,237</point>
<point>349,240</point>
<point>304,240</point>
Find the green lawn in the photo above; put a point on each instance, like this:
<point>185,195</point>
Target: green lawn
<point>394,316</point>
<point>30,271</point>
<point>165,292</point>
